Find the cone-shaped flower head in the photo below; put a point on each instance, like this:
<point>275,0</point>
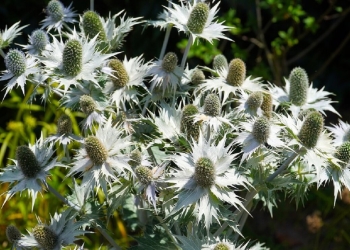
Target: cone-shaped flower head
<point>197,77</point>
<point>121,77</point>
<point>95,150</point>
<point>219,62</point>
<point>27,161</point>
<point>39,40</point>
<point>64,125</point>
<point>15,62</point>
<point>144,174</point>
<point>299,84</point>
<point>73,57</point>
<point>255,100</point>
<point>198,18</point>
<point>135,158</point>
<point>55,10</point>
<point>261,129</point>
<point>187,126</point>
<point>92,25</point>
<point>221,246</point>
<point>343,153</point>
<point>45,237</point>
<point>87,104</point>
<point>311,129</point>
<point>13,234</point>
<point>169,62</point>
<point>266,105</point>
<point>212,105</point>
<point>204,173</point>
<point>236,72</point>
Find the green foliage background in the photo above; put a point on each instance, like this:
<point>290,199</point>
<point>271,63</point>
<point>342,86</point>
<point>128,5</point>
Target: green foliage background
<point>271,36</point>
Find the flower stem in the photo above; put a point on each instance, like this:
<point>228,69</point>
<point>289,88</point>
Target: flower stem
<point>167,230</point>
<point>92,5</point>
<point>77,208</point>
<point>2,53</point>
<point>165,42</point>
<point>283,167</point>
<point>184,57</point>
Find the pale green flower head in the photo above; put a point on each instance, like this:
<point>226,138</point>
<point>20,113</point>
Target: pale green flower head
<point>261,129</point>
<point>15,62</point>
<point>144,174</point>
<point>92,25</point>
<point>219,62</point>
<point>343,153</point>
<point>299,84</point>
<point>46,238</point>
<point>188,127</point>
<point>64,125</point>
<point>95,150</point>
<point>72,57</point>
<point>119,76</point>
<point>236,72</point>
<point>255,101</point>
<point>38,41</point>
<point>169,62</point>
<point>212,105</point>
<point>311,129</point>
<point>135,158</point>
<point>198,18</point>
<point>197,77</point>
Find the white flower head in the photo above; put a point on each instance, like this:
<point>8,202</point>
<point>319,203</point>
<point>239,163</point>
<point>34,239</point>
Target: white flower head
<point>19,67</point>
<point>74,61</point>
<point>125,79</point>
<point>250,104</point>
<point>197,20</point>
<point>101,159</point>
<point>58,15</point>
<point>62,231</point>
<point>29,170</point>
<point>256,133</point>
<point>205,177</point>
<point>38,41</point>
<point>340,132</point>
<point>7,35</point>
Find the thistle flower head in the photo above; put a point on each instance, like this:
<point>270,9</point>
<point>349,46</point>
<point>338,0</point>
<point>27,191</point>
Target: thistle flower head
<point>198,18</point>
<point>187,126</point>
<point>55,10</point>
<point>39,39</point>
<point>73,57</point>
<point>204,173</point>
<point>212,105</point>
<point>197,77</point>
<point>219,62</point>
<point>261,129</point>
<point>16,62</point>
<point>92,25</point>
<point>255,100</point>
<point>95,150</point>
<point>87,104</point>
<point>221,246</point>
<point>236,72</point>
<point>46,238</point>
<point>13,234</point>
<point>121,77</point>
<point>135,158</point>
<point>64,125</point>
<point>144,174</point>
<point>169,62</point>
<point>311,129</point>
<point>343,153</point>
<point>27,161</point>
<point>266,105</point>
<point>299,84</point>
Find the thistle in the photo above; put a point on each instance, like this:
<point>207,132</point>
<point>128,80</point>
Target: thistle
<point>87,104</point>
<point>95,150</point>
<point>135,158</point>
<point>144,174</point>
<point>27,161</point>
<point>311,129</point>
<point>72,58</point>
<point>92,26</point>
<point>343,153</point>
<point>299,84</point>
<point>255,101</point>
<point>212,105</point>
<point>121,77</point>
<point>16,62</point>
<point>204,173</point>
<point>261,129</point>
<point>221,246</point>
<point>220,62</point>
<point>45,237</point>
<point>55,10</point>
<point>64,125</point>
<point>197,77</point>
<point>13,234</point>
<point>39,40</point>
<point>169,62</point>
<point>198,18</point>
<point>266,105</point>
<point>236,72</point>
<point>187,126</point>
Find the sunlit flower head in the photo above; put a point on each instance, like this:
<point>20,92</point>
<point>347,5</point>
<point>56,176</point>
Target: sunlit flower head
<point>30,169</point>
<point>101,160</point>
<point>205,178</point>
<point>197,20</point>
<point>250,104</point>
<point>7,35</point>
<point>19,67</point>
<point>58,16</point>
<point>340,132</point>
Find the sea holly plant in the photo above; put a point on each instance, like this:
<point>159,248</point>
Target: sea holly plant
<point>182,153</point>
